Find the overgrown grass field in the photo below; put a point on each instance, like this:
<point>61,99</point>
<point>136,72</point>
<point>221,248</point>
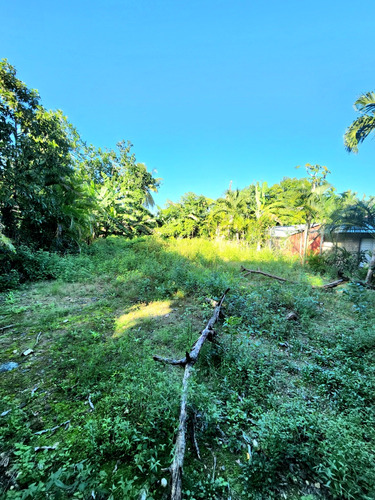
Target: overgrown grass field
<point>281,408</point>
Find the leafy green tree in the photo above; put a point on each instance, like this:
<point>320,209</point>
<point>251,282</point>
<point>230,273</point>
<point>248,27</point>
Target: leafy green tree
<point>364,124</point>
<point>266,211</point>
<point>36,163</point>
<point>315,200</point>
<point>286,196</point>
<point>56,192</point>
<point>122,189</point>
<point>188,218</point>
<point>230,213</point>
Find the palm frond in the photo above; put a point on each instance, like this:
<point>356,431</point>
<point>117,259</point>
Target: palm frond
<point>358,131</point>
<point>365,103</point>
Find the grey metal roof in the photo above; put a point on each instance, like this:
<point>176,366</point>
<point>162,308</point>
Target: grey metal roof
<point>284,231</point>
<point>356,230</point>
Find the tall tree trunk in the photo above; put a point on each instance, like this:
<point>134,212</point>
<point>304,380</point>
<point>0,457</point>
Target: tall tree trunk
<point>306,242</point>
<point>321,240</point>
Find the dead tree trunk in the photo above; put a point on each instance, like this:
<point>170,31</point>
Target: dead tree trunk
<point>188,362</point>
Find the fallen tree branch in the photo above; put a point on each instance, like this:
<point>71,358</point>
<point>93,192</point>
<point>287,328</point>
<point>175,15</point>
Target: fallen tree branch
<point>252,271</point>
<point>6,327</point>
<point>188,362</point>
<point>333,284</point>
<point>176,362</point>
<point>91,403</point>
<point>53,429</point>
<point>42,448</point>
<point>37,339</point>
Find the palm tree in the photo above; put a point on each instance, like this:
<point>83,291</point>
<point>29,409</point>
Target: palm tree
<point>363,125</point>
<point>230,212</point>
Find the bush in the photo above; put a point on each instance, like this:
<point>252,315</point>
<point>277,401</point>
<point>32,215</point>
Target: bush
<point>25,264</point>
<point>345,263</point>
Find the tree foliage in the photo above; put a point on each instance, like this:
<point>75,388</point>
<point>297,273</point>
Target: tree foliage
<point>364,124</point>
<point>55,191</point>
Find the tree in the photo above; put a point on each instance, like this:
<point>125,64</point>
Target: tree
<point>187,218</point>
<point>231,212</point>
<point>363,125</point>
<point>314,200</point>
<point>122,189</point>
<point>36,163</point>
<point>286,195</point>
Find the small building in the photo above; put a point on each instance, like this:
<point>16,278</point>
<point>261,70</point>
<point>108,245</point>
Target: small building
<point>353,239</point>
<point>291,238</point>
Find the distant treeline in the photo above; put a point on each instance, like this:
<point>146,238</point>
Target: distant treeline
<point>248,213</point>
<point>57,192</point>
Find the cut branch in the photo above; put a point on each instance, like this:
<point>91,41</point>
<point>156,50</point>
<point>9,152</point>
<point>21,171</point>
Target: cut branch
<point>170,361</point>
<point>188,362</point>
<point>53,429</point>
<point>252,271</point>
<point>333,284</point>
<point>6,327</point>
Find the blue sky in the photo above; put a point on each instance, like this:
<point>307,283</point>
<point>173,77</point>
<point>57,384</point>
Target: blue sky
<point>207,91</point>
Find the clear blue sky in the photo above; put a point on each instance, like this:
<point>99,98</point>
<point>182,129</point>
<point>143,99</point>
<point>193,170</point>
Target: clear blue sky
<point>207,91</point>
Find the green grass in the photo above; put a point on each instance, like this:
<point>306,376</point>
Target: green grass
<point>284,409</point>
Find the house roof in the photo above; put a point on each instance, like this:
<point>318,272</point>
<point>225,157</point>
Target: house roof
<point>354,229</point>
<point>285,231</point>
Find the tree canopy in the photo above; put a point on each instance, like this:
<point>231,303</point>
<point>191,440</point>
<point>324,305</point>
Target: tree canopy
<point>54,190</point>
<point>363,125</point>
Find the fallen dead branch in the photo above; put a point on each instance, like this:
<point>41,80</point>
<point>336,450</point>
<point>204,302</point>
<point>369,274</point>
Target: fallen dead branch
<point>188,362</point>
<point>6,327</point>
<point>291,316</point>
<point>53,429</point>
<point>42,448</point>
<point>333,284</point>
<point>91,403</point>
<point>252,271</point>
<point>37,339</point>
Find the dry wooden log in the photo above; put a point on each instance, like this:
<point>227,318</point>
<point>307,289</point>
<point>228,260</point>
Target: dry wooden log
<point>53,429</point>
<point>333,284</point>
<point>252,271</point>
<point>6,327</point>
<point>170,361</point>
<point>188,362</point>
